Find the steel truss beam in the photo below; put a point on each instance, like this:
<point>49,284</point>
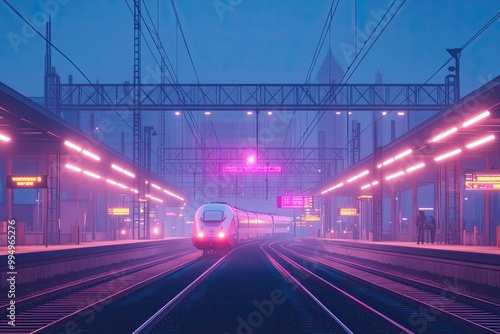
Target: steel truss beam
<point>256,96</point>
<point>180,160</point>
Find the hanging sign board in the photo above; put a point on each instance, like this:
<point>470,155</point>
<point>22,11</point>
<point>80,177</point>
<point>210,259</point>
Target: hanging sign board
<point>482,180</point>
<point>26,181</point>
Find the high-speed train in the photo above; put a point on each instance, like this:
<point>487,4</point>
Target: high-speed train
<point>219,226</point>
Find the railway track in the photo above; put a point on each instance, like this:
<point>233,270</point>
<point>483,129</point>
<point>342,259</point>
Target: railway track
<point>414,305</point>
<point>244,294</point>
<point>59,307</point>
<point>260,286</point>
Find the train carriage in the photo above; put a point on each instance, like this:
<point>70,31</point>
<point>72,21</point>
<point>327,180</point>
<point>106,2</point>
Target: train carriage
<point>219,226</point>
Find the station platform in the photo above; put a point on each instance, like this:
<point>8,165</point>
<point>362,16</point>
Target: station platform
<point>439,246</point>
<point>21,249</point>
<point>34,262</point>
<point>478,264</point>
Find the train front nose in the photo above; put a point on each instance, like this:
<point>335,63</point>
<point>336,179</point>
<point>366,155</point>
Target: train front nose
<point>210,239</point>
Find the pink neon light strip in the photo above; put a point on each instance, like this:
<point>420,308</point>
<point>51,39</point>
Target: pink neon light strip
<point>444,134</point>
<point>124,171</point>
<point>480,141</point>
<point>95,176</point>
<point>76,169</point>
<point>405,153</point>
<point>394,175</point>
<point>4,138</point>
<point>477,118</point>
<point>91,155</point>
<point>363,173</point>
<point>411,169</point>
<point>447,155</point>
<point>172,194</point>
<point>73,146</point>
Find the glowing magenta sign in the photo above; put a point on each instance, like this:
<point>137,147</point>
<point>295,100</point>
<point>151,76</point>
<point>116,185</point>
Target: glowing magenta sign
<point>251,169</point>
<point>295,201</point>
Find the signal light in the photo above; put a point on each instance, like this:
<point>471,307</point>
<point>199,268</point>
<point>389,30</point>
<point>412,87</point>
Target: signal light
<point>221,235</point>
<point>200,235</point>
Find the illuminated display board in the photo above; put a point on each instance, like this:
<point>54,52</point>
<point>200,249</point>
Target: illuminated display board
<point>310,218</point>
<point>347,212</point>
<point>26,181</point>
<point>295,201</point>
<point>251,169</point>
<point>365,197</point>
<point>118,211</point>
<point>482,180</point>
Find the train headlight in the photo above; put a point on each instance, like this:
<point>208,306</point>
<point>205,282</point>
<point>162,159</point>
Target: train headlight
<point>221,235</point>
<point>200,235</point>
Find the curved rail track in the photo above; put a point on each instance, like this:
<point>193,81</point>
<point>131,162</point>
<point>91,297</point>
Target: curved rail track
<point>413,304</point>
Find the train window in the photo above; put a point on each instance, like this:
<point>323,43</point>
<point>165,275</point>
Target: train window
<point>213,216</point>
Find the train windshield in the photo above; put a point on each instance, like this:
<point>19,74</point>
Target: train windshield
<point>214,216</point>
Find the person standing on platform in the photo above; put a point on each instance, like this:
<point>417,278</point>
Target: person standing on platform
<point>432,228</point>
<point>420,226</point>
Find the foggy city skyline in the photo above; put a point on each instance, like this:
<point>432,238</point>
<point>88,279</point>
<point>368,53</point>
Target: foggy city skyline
<point>243,42</point>
<point>250,42</point>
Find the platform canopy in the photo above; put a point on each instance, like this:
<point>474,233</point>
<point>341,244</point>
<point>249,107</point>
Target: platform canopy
<point>27,129</point>
<point>468,129</point>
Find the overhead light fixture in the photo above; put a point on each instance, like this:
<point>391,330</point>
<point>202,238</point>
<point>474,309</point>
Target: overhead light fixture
<point>95,176</point>
<point>73,146</point>
<point>173,195</point>
<point>124,171</point>
<point>480,141</point>
<point>394,175</point>
<point>363,173</point>
<point>405,153</point>
<point>444,134</point>
<point>4,138</point>
<point>447,155</point>
<point>91,155</point>
<point>411,169</point>
<point>387,161</point>
<point>352,179</point>
<point>76,169</point>
<point>476,118</point>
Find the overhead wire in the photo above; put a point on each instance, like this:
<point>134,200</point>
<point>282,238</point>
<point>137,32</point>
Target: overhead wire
<point>467,43</point>
<point>192,124</point>
<point>179,25</point>
<point>312,125</point>
<point>65,57</point>
<point>319,46</point>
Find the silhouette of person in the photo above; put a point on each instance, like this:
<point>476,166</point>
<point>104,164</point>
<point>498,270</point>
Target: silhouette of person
<point>432,228</point>
<point>420,227</point>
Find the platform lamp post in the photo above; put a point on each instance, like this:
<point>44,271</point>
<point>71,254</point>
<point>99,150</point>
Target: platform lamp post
<point>149,132</point>
<point>455,53</point>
